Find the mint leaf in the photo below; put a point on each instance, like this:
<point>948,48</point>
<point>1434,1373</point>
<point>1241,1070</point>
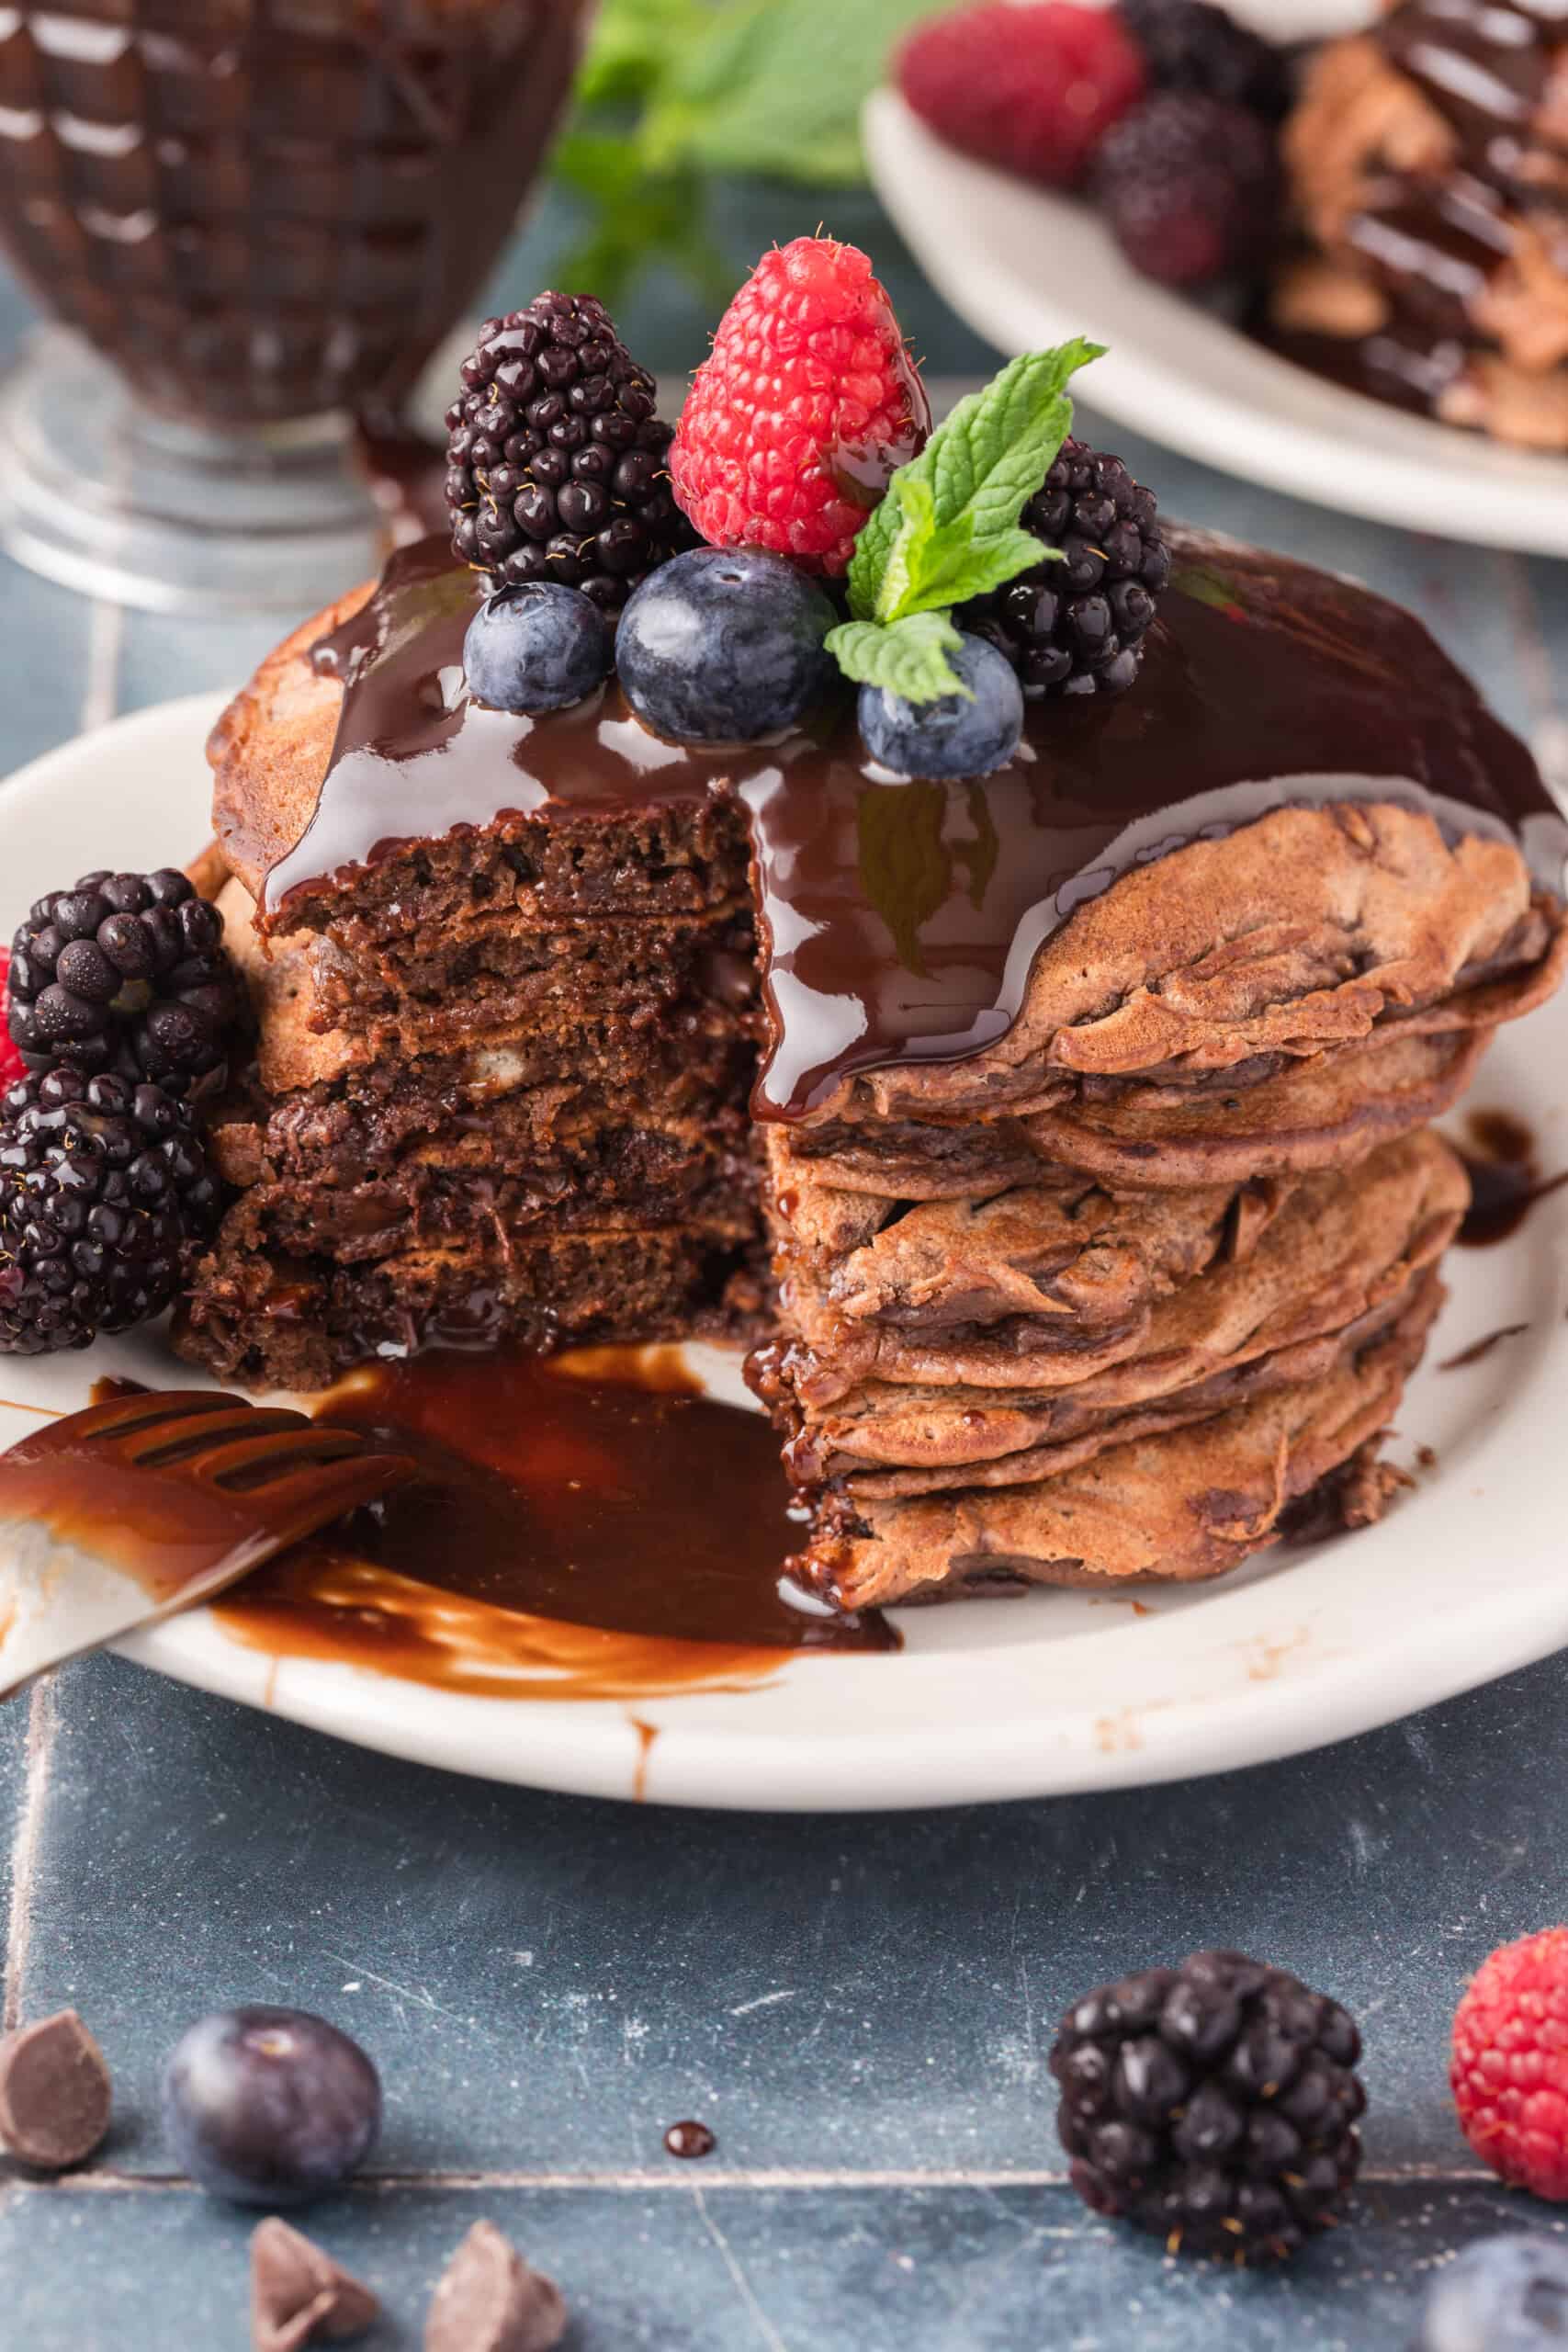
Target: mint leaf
<point>948,527</point>
<point>908,659</point>
<point>776,87</point>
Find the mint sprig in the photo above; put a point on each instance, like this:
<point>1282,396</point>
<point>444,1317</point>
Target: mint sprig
<point>948,527</point>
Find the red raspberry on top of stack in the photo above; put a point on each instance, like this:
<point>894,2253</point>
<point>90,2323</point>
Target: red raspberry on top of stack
<point>794,427</point>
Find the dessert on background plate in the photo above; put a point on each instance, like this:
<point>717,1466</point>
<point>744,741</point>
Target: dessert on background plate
<point>1427,165</point>
<point>886,897</point>
<point>1388,209</point>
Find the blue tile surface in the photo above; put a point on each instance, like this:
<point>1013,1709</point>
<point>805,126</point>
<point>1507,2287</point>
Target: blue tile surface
<point>862,2009</point>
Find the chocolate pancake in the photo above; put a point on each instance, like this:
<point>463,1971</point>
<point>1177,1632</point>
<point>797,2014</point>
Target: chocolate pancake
<point>1181,1505</point>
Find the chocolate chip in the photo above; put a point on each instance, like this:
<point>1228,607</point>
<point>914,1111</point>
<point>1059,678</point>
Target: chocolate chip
<point>54,2093</point>
<point>299,2296</point>
<point>488,2300</point>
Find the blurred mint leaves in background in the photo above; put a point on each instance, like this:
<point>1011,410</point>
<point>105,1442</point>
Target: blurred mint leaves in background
<point>674,92</point>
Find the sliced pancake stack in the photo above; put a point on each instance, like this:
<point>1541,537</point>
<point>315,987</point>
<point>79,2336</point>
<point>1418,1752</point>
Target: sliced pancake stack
<point>1117,1296</point>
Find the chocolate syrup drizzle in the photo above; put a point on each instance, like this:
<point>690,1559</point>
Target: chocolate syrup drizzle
<point>899,918</point>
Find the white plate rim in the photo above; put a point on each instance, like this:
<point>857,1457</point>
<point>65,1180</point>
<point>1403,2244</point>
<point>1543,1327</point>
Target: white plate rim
<point>1183,376</point>
<point>1262,1665</point>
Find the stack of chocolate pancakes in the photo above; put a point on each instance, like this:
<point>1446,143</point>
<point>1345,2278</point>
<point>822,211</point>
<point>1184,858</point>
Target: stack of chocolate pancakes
<point>1080,1115</point>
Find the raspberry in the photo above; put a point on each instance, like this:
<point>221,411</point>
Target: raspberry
<point>1191,187</point>
<point>12,1065</point>
<point>1034,89</point>
<point>808,404</point>
<point>1509,2074</point>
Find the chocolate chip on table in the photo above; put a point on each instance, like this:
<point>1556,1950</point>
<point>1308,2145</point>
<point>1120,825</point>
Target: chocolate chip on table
<point>54,2093</point>
<point>490,2300</point>
<point>299,2295</point>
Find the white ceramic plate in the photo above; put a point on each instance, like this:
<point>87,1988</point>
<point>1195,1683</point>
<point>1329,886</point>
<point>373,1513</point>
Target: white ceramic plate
<point>1028,268</point>
<point>1464,1580</point>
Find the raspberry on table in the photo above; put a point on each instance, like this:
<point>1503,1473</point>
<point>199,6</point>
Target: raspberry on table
<point>1509,2071</point>
<point>1190,187</point>
<point>1192,45</point>
<point>808,404</point>
<point>1078,626</point>
<point>557,462</point>
<point>1034,89</point>
<point>1214,2104</point>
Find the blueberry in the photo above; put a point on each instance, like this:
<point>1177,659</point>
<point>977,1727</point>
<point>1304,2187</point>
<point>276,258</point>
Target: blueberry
<point>950,737</point>
<point>1505,2294</point>
<point>537,647</point>
<point>269,2107</point>
<point>722,645</point>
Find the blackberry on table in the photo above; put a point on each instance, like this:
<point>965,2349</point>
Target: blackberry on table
<point>126,971</point>
<point>1214,2104</point>
<point>104,1185</point>
<point>1078,626</point>
<point>557,466</point>
<point>1191,45</point>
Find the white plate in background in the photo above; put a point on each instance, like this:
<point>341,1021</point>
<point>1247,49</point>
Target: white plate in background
<point>1464,1579</point>
<point>1027,267</point>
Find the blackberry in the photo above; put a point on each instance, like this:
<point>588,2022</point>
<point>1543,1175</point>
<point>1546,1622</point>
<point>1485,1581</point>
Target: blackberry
<point>103,1185</point>
<point>1076,626</point>
<point>558,468</point>
<point>1188,45</point>
<point>1191,187</point>
<point>126,971</point>
<point>1214,2104</point>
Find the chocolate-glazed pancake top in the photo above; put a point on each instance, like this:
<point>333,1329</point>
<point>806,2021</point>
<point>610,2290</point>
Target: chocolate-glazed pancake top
<point>899,918</point>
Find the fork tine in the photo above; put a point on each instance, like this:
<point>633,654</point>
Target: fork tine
<point>122,1415</point>
<point>286,1448</point>
<point>312,1498</point>
<point>159,1449</point>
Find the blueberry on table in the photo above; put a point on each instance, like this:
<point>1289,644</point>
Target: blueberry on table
<point>537,647</point>
<point>953,736</point>
<point>269,2107</point>
<point>723,645</point>
<point>1504,2294</point>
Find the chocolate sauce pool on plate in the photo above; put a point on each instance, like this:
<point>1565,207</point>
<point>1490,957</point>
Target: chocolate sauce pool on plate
<point>1505,1181</point>
<point>586,1525</point>
<point>899,918</point>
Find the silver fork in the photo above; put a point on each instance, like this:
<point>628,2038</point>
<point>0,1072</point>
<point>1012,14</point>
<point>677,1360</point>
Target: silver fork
<point>119,1515</point>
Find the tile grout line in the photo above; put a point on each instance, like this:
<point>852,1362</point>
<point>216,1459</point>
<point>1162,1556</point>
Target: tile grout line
<point>105,2181</point>
<point>25,1844</point>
